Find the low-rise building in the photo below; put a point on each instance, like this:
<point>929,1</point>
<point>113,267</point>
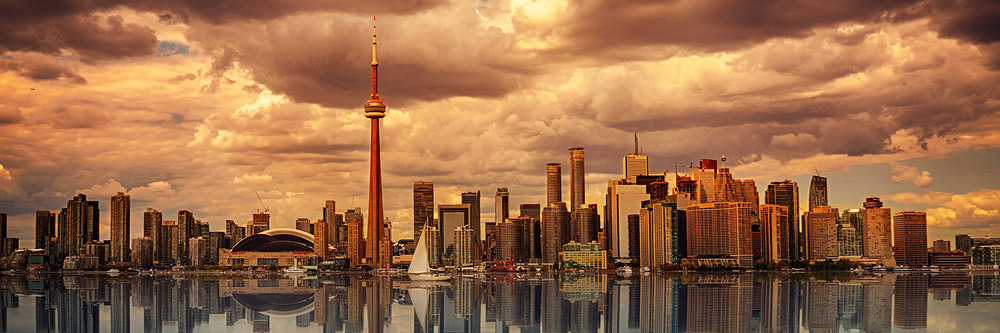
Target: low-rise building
<point>584,256</point>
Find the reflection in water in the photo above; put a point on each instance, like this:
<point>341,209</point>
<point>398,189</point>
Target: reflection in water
<point>493,303</point>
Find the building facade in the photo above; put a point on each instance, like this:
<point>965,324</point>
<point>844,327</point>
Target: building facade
<point>817,192</point>
<point>120,223</point>
<point>786,193</point>
<point>423,206</point>
<point>821,234</point>
<point>658,235</point>
<point>720,230</point>
<point>555,231</point>
<point>876,230</point>
<point>774,233</point>
<point>577,182</point>
<point>910,238</point>
<point>553,183</point>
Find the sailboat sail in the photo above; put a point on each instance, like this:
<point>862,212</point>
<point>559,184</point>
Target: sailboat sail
<point>419,298</point>
<point>419,264</point>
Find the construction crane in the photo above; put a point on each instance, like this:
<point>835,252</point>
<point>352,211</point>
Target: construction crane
<point>261,202</point>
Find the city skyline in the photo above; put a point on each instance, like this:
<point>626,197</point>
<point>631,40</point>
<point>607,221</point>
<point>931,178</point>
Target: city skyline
<point>224,123</point>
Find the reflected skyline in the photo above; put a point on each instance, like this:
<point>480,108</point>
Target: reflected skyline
<point>502,303</point>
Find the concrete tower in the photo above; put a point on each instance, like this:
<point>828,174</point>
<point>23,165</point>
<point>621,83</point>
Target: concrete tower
<point>375,110</point>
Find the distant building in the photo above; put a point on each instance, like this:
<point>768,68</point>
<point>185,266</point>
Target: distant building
<point>584,224</point>
<point>474,200</point>
<point>320,238</point>
<point>333,224</point>
<point>215,240</point>
<point>986,255</point>
<point>720,230</point>
<point>774,232</point>
<point>821,234</point>
<point>786,193</point>
<point>142,252</point>
<point>261,222</point>
<point>451,217</point>
<point>584,256</point>
<point>948,259</point>
<point>705,177</point>
<point>849,237</point>
<point>355,239</point>
<point>120,222</point>
<point>423,206</point>
<point>275,247</point>
<point>817,192</point>
<point>501,205</point>
<point>577,181</point>
<point>198,251</point>
<point>434,246</point>
<point>658,235</point>
<point>555,231</point>
<point>553,183</point>
<point>45,228</point>
<point>942,245</point>
<point>465,246</point>
<point>877,230</point>
<point>303,224</point>
<point>635,164</point>
<point>910,238</point>
<point>152,228</point>
<point>623,200</point>
<point>185,229</point>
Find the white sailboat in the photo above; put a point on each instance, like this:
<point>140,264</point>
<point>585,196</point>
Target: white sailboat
<point>420,268</point>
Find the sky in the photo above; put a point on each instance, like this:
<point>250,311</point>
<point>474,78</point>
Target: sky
<point>202,106</point>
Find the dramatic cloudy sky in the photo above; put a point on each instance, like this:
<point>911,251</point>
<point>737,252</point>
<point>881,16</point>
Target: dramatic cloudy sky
<point>197,105</point>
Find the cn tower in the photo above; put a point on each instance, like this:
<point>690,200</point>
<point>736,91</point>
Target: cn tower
<point>375,110</point>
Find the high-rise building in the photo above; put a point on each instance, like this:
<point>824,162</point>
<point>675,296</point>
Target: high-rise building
<point>705,177</point>
<point>553,183</point>
<point>849,226</point>
<point>185,229</point>
<point>120,222</point>
<point>817,192</point>
<point>212,246</point>
<point>303,224</point>
<point>142,252</point>
<point>720,229</point>
<point>942,245</point>
<point>624,199</point>
<point>876,230</point>
<point>555,230</point>
<point>774,233</point>
<point>584,224</point>
<point>635,164</point>
<point>45,228</point>
<point>531,210</point>
<point>501,205</point>
<point>577,179</point>
<point>261,222</point>
<point>909,231</point>
<point>3,233</point>
<point>821,233</point>
<point>434,248</point>
<point>474,200</point>
<point>198,251</point>
<point>465,246</point>
<point>512,239</point>
<point>332,223</point>
<point>451,217</point>
<point>963,243</point>
<point>92,228</point>
<point>321,248</point>
<point>423,206</point>
<point>355,240</point>
<point>375,110</point>
<point>786,193</point>
<point>81,224</point>
<point>658,235</point>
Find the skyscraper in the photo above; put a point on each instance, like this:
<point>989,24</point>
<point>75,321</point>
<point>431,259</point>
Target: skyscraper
<point>909,230</point>
<point>303,224</point>
<point>584,224</point>
<point>465,246</point>
<point>658,235</point>
<point>332,223</point>
<point>553,183</point>
<point>786,193</point>
<point>451,217</point>
<point>849,228</point>
<point>423,206</point>
<point>45,228</point>
<point>577,182</point>
<point>877,230</point>
<point>261,222</point>
<point>474,200</point>
<point>120,222</point>
<point>720,229</point>
<point>375,110</point>
<point>320,247</point>
<point>501,205</point>
<point>355,240</point>
<point>704,177</point>
<point>774,233</point>
<point>624,199</point>
<point>817,192</point>
<point>185,229</point>
<point>142,252</point>
<point>635,164</point>
<point>555,230</point>
<point>81,222</point>
<point>820,233</point>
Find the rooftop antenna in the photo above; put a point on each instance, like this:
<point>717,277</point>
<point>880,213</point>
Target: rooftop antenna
<point>817,171</point>
<point>636,135</point>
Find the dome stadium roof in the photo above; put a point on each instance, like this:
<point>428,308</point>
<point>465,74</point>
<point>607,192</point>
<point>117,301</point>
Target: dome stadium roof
<point>277,240</point>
